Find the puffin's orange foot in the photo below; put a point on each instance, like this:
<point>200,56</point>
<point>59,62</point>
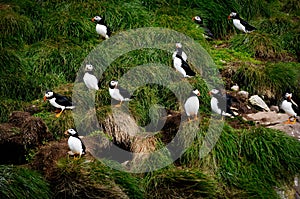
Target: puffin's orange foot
<point>290,122</point>
<point>58,115</point>
<point>57,110</point>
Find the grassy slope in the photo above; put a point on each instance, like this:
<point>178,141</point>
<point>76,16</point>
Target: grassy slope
<point>43,45</point>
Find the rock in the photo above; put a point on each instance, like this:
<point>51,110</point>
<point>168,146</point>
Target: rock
<point>274,108</point>
<point>243,94</point>
<point>267,118</point>
<point>258,101</point>
<point>235,87</point>
<point>275,121</point>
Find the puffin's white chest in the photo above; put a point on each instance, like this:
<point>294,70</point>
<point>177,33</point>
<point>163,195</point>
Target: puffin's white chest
<point>90,81</point>
<point>53,103</point>
<point>238,25</point>
<point>101,30</point>
<point>75,145</point>
<point>191,106</point>
<point>214,105</point>
<point>115,94</point>
<point>177,65</point>
<point>287,107</point>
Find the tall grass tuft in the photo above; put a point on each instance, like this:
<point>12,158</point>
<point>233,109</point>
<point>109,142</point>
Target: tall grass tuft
<point>19,182</point>
<point>271,80</point>
<point>259,45</point>
<point>77,179</point>
<point>16,30</point>
<point>274,152</point>
<point>179,183</point>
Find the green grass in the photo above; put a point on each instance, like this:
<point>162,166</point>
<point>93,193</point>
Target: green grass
<point>103,181</point>
<point>19,182</point>
<point>44,44</point>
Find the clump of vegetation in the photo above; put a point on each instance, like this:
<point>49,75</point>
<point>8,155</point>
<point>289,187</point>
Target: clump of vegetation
<point>77,179</point>
<point>20,182</point>
<point>272,80</point>
<point>180,183</point>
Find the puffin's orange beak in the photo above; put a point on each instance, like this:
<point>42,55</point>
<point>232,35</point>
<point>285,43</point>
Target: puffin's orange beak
<point>45,98</point>
<point>193,18</point>
<point>229,17</point>
<point>209,93</point>
<point>66,132</point>
<point>198,94</point>
<point>93,19</point>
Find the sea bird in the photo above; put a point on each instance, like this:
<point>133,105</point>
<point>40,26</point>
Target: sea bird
<point>290,108</point>
<point>58,101</point>
<point>101,27</point>
<point>240,23</point>
<point>118,93</point>
<point>191,105</point>
<point>220,103</point>
<point>182,66</point>
<point>75,144</point>
<point>207,33</point>
<point>89,78</point>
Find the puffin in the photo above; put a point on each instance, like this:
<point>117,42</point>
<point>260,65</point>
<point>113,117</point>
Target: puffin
<point>179,52</point>
<point>191,105</point>
<point>89,78</point>
<point>101,27</point>
<point>75,143</point>
<point>207,33</point>
<point>220,103</point>
<point>182,66</point>
<point>240,23</point>
<point>58,101</point>
<point>290,108</point>
<point>118,93</point>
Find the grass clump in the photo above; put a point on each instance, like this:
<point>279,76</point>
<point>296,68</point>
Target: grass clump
<point>259,45</point>
<point>77,179</point>
<point>271,80</point>
<point>179,183</point>
<point>19,182</point>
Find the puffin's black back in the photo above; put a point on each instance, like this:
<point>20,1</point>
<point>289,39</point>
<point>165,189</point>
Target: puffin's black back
<point>186,67</point>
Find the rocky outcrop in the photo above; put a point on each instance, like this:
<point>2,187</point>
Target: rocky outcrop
<point>275,121</point>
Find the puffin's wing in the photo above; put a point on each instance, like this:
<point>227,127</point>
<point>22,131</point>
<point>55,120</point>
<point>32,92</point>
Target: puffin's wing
<point>63,100</point>
<point>187,68</point>
<point>83,146</point>
<point>208,32</point>
<point>124,92</point>
<point>247,25</point>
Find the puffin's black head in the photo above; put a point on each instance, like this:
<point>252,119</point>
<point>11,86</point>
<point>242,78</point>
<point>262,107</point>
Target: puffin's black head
<point>48,95</point>
<point>178,45</point>
<point>97,19</point>
<point>288,96</point>
<point>214,92</point>
<point>233,15</point>
<point>196,92</point>
<point>71,132</point>
<point>113,84</point>
<point>197,19</point>
<point>89,67</point>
